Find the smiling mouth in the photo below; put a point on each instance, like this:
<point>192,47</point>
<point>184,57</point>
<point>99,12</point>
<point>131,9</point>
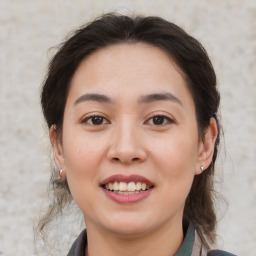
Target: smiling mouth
<point>125,188</point>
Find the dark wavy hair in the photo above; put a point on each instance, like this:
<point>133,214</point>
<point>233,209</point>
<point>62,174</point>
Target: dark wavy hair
<point>198,72</point>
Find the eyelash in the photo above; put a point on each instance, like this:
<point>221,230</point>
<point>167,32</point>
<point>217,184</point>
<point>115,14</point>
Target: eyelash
<point>164,120</point>
<point>103,119</point>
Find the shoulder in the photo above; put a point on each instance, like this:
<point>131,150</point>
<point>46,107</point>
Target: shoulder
<point>78,247</point>
<point>219,253</point>
<point>201,247</point>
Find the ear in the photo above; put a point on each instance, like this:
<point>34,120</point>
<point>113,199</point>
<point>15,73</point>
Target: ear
<point>57,147</point>
<point>206,147</point>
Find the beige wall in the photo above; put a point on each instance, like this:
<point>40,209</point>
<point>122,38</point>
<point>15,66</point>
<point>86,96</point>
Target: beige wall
<point>227,28</point>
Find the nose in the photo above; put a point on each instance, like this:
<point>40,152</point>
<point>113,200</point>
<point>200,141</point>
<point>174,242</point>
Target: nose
<point>126,145</point>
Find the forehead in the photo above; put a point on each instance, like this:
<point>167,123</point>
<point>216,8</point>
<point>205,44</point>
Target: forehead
<point>133,57</point>
<point>129,68</point>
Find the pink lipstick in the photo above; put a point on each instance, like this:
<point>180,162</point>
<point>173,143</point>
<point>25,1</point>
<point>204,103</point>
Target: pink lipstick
<point>127,189</point>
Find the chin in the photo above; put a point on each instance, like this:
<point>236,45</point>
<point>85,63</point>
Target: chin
<point>129,227</point>
<point>129,231</point>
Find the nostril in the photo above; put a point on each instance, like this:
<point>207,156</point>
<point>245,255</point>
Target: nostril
<point>135,159</point>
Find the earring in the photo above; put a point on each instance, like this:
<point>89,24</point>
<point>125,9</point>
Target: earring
<point>202,168</point>
<point>60,174</point>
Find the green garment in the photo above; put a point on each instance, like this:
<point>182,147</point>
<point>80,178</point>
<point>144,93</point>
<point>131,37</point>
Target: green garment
<point>191,245</point>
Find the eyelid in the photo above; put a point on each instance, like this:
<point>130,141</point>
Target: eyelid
<point>85,119</point>
<point>169,119</point>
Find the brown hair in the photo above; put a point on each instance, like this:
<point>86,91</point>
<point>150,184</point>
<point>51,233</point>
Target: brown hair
<point>188,54</point>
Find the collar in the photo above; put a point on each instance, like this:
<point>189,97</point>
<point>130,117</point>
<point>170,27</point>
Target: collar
<point>191,245</point>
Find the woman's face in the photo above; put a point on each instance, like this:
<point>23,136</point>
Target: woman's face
<point>130,145</point>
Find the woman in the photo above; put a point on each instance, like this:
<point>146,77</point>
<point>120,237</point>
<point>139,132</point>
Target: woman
<point>131,104</point>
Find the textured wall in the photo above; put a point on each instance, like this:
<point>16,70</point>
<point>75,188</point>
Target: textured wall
<point>227,28</point>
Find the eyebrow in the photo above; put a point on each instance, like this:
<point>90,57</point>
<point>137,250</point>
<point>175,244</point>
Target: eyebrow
<point>150,98</point>
<point>93,97</point>
<point>159,97</point>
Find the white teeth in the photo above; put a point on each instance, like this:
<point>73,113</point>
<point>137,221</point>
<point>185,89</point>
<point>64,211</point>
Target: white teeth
<point>115,186</point>
<point>138,186</point>
<point>126,192</point>
<point>124,188</point>
<point>143,186</point>
<point>131,186</point>
<point>110,186</point>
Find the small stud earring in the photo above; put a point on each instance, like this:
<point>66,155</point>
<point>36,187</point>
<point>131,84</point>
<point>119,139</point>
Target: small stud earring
<point>60,174</point>
<point>202,168</point>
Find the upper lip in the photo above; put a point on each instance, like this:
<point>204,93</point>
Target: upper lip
<point>127,179</point>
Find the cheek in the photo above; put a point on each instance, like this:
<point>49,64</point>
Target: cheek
<point>82,157</point>
<point>175,179</point>
<point>80,149</point>
<point>179,150</point>
<point>175,159</point>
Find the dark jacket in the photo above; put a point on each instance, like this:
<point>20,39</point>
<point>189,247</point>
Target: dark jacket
<point>191,246</point>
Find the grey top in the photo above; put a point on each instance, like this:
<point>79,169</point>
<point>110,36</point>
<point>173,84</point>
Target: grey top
<point>191,245</point>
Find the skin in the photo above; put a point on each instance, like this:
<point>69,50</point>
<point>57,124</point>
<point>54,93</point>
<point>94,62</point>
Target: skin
<point>129,141</point>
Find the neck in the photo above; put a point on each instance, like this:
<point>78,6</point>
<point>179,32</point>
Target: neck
<point>162,242</point>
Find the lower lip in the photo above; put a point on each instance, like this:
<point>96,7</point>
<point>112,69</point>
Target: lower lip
<point>126,199</point>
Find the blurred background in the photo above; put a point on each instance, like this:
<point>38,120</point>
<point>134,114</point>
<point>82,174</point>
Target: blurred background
<point>28,29</point>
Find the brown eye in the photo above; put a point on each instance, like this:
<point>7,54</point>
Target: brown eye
<point>95,120</point>
<point>159,120</point>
